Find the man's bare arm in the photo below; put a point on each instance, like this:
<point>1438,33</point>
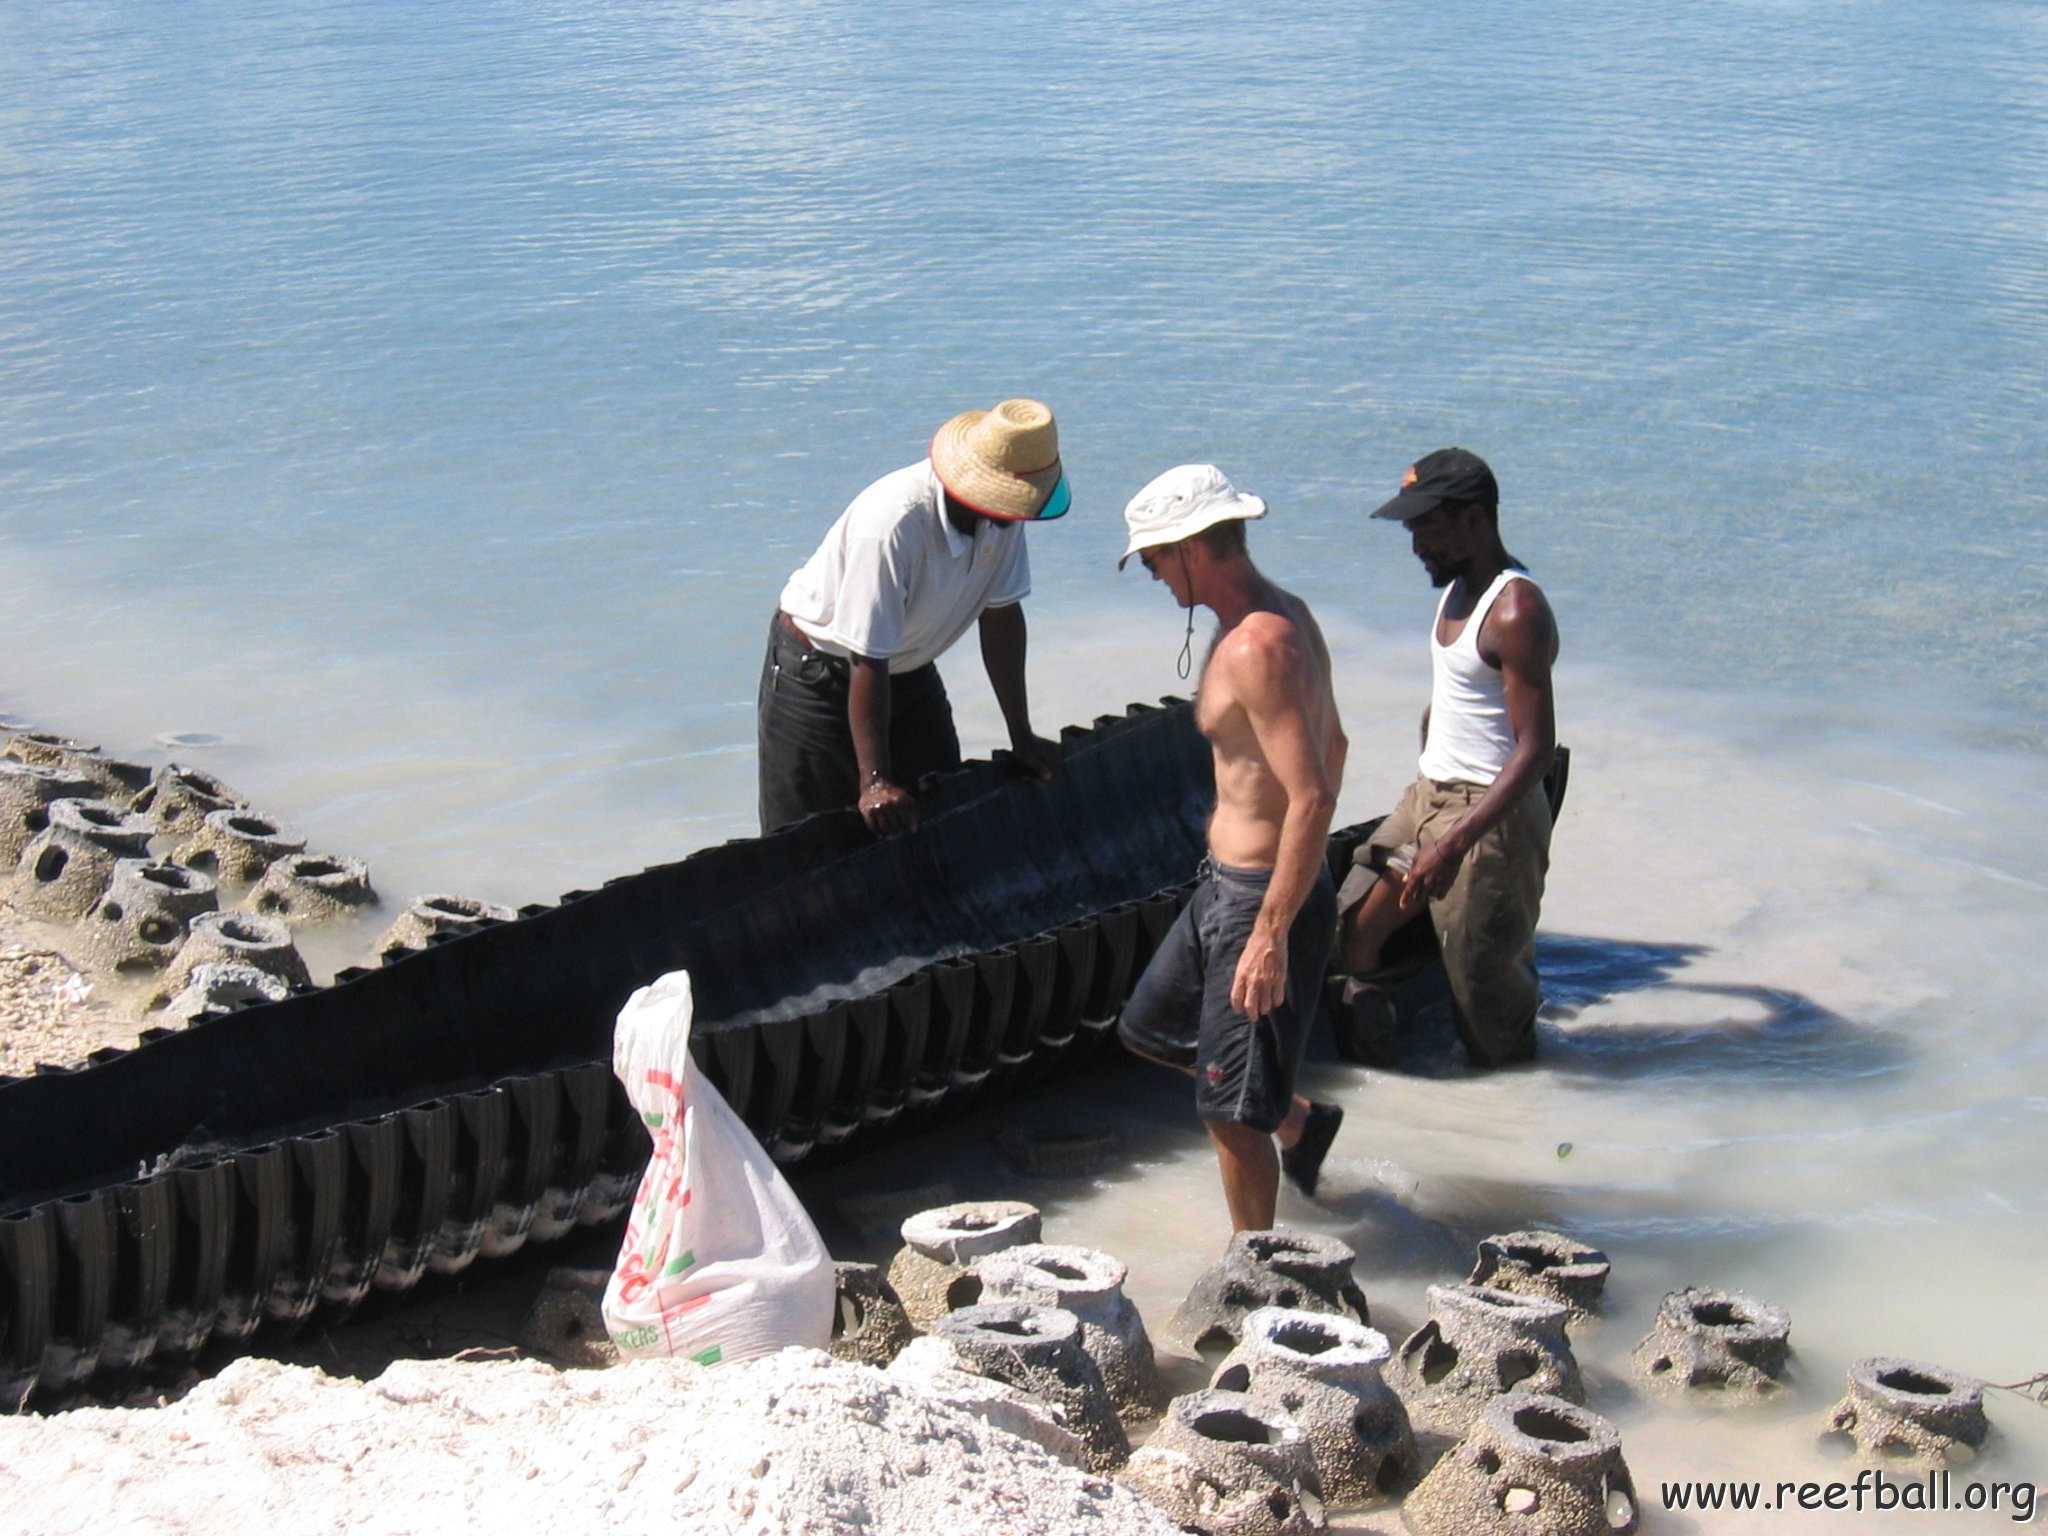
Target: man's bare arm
<point>1003,639</point>
<point>1523,634</point>
<point>1270,668</point>
<point>885,806</point>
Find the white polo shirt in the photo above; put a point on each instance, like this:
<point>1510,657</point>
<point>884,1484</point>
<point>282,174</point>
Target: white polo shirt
<point>895,579</point>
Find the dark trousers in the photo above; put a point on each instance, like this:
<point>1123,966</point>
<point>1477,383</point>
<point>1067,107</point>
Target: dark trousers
<point>806,746</point>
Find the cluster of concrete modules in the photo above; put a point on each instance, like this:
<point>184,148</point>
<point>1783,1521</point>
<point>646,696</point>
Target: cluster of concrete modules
<point>1475,1424</point>
<point>162,872</point>
<point>167,876</point>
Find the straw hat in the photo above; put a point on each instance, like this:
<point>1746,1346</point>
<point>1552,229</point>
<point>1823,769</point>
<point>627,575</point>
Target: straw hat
<point>1181,503</point>
<point>1005,462</point>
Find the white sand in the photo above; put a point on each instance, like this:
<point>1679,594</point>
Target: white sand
<point>796,1442</point>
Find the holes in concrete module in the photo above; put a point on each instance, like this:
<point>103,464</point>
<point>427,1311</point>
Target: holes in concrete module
<point>1660,1366</point>
<point>1304,1338</point>
<point>237,931</point>
<point>1517,1366</point>
<point>110,911</point>
<point>156,930</point>
<point>1620,1508</point>
<point>965,1291</point>
<point>1062,1271</point>
<point>1268,1246</point>
<point>50,865</point>
<point>316,869</point>
<point>1545,1424</point>
<point>1439,1358</point>
<point>1917,1382</point>
<point>1279,1505</point>
<point>1486,1461</point>
<point>1236,1379</point>
<point>1519,1501</point>
<point>252,826</point>
<point>1234,1427</point>
<point>1719,1314</point>
<point>849,1318</point>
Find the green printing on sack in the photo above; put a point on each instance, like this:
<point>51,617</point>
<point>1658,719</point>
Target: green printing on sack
<point>680,1263</point>
<point>651,1118</point>
<point>636,1338</point>
<point>709,1357</point>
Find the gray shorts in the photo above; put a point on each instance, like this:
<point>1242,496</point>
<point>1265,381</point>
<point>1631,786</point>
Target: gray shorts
<point>1180,1011</point>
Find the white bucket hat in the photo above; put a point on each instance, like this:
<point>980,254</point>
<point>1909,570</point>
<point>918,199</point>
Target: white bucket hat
<point>1181,503</point>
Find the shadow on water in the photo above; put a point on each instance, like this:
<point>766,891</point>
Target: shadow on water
<point>1578,972</point>
<point>1765,1034</point>
<point>1650,1023</point>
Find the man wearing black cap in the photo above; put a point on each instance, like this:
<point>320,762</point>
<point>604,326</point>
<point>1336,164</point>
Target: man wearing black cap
<point>1471,838</point>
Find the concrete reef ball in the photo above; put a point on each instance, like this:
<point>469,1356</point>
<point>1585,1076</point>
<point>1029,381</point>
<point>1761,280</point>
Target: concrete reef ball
<point>1546,1264</point>
<point>145,914</point>
<point>109,776</point>
<point>1038,1349</point>
<point>26,793</point>
<point>431,917</point>
<point>221,986</point>
<point>1910,1409</point>
<point>312,888</point>
<point>68,865</point>
<point>932,1272</point>
<point>1477,1344</point>
<point>1324,1372</point>
<point>1531,1465</point>
<point>242,938</point>
<point>1276,1268</point>
<point>1089,1284</point>
<point>1716,1341</point>
<point>178,798</point>
<point>565,1323</point>
<point>1226,1464</point>
<point>869,1325</point>
<point>238,845</point>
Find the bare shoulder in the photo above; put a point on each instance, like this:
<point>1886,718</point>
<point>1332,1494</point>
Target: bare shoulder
<point>1269,654</point>
<point>1520,625</point>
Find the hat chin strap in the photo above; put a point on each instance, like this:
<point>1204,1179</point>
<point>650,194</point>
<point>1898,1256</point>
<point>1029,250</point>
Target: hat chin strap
<point>1186,663</point>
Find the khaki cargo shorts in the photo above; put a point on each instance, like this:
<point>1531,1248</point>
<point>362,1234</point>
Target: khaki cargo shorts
<point>1486,923</point>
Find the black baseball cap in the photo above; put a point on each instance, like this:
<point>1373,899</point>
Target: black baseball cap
<point>1449,474</point>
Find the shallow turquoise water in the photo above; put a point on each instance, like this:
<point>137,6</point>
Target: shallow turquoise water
<point>432,400</point>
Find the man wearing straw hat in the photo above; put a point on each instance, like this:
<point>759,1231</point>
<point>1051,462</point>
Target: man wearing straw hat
<point>852,710</point>
<point>1231,991</point>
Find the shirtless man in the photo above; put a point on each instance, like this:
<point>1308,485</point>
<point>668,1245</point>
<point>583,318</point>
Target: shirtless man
<point>1230,994</point>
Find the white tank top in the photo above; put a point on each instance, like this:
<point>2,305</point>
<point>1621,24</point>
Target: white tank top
<point>1470,737</point>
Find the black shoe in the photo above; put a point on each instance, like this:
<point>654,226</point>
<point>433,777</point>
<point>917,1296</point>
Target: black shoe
<point>1303,1162</point>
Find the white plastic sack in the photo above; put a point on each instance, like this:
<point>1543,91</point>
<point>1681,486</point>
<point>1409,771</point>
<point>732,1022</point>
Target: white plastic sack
<point>720,1261</point>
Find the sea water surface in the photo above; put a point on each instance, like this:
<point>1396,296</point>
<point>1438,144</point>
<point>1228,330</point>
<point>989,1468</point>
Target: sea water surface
<point>425,405</point>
